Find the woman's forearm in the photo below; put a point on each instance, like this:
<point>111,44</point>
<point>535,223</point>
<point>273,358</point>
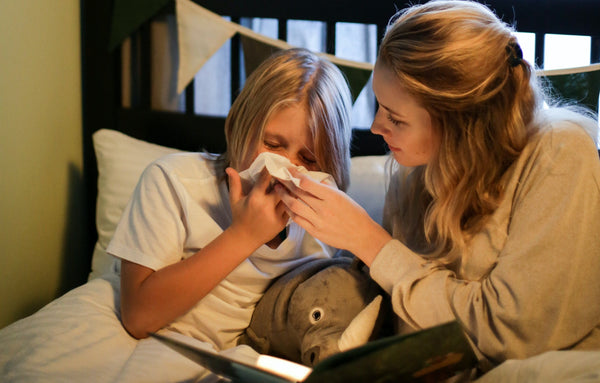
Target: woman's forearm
<point>369,242</point>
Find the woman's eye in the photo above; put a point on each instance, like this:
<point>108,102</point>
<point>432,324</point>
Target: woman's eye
<point>392,120</point>
<point>271,145</point>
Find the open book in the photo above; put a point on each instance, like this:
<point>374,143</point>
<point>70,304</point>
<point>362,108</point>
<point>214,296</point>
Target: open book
<point>429,355</point>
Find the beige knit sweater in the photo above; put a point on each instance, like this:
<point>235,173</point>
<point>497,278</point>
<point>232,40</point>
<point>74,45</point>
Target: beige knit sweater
<point>531,281</point>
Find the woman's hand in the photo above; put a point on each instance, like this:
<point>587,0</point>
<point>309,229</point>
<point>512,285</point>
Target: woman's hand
<point>333,217</point>
<point>259,215</point>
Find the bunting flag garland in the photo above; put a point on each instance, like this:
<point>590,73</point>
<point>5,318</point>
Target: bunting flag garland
<point>256,47</point>
<point>581,85</point>
<point>357,78</point>
<point>129,15</point>
<point>200,35</point>
<point>254,52</point>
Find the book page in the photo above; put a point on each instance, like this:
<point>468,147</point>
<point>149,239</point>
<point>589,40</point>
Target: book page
<point>239,364</point>
<point>294,371</point>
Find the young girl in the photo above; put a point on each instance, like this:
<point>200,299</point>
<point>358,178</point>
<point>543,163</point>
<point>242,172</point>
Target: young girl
<point>196,252</point>
<point>493,212</point>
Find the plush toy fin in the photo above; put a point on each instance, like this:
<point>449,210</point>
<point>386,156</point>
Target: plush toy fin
<point>360,329</point>
<point>259,344</point>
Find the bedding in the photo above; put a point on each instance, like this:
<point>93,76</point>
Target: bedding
<point>79,338</point>
<point>551,366</point>
<point>121,160</point>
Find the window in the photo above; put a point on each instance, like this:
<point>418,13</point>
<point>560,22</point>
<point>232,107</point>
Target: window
<point>213,83</point>
<point>358,42</point>
<point>353,41</point>
<point>566,51</point>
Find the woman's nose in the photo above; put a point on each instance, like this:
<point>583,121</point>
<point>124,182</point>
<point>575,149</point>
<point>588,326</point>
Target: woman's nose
<point>376,126</point>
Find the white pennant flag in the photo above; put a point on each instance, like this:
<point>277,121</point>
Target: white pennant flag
<point>201,34</point>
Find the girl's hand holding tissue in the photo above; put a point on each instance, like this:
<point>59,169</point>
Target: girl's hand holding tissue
<point>258,215</point>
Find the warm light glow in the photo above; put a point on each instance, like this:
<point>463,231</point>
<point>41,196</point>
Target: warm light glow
<point>291,370</point>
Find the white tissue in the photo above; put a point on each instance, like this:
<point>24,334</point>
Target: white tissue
<point>278,166</point>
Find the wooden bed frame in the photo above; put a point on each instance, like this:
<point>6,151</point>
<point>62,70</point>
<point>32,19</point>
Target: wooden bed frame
<point>101,67</point>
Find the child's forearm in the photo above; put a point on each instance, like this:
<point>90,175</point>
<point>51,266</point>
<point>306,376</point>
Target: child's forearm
<point>152,299</point>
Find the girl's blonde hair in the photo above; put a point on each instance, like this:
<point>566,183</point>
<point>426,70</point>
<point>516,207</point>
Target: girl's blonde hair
<point>292,77</point>
<point>465,67</point>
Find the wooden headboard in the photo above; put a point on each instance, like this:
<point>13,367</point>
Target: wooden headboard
<point>101,67</point>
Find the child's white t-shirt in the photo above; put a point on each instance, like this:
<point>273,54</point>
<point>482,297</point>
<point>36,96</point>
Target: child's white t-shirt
<point>177,208</point>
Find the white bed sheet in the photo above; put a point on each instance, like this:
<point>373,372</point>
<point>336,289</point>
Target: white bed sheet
<point>79,338</point>
<point>548,367</point>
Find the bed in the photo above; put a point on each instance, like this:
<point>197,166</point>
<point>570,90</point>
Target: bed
<point>79,337</point>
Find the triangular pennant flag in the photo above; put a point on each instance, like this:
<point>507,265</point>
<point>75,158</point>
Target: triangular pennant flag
<point>259,46</point>
<point>580,85</point>
<point>357,73</point>
<point>200,33</point>
<point>128,15</point>
<point>357,78</point>
<point>255,52</point>
<point>262,38</point>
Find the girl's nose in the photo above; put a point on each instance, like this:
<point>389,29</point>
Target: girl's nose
<point>292,158</point>
<point>295,160</point>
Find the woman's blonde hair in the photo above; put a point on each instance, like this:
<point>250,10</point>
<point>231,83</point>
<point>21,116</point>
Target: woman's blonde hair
<point>465,67</point>
<point>292,77</point>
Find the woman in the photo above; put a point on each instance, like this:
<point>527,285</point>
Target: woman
<point>493,210</point>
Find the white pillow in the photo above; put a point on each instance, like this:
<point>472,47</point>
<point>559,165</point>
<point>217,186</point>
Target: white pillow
<point>121,160</point>
<point>368,183</point>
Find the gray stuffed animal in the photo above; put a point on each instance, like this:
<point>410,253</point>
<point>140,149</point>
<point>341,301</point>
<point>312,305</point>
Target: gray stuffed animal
<point>318,309</point>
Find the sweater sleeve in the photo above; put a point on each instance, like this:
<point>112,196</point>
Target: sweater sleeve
<point>542,291</point>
